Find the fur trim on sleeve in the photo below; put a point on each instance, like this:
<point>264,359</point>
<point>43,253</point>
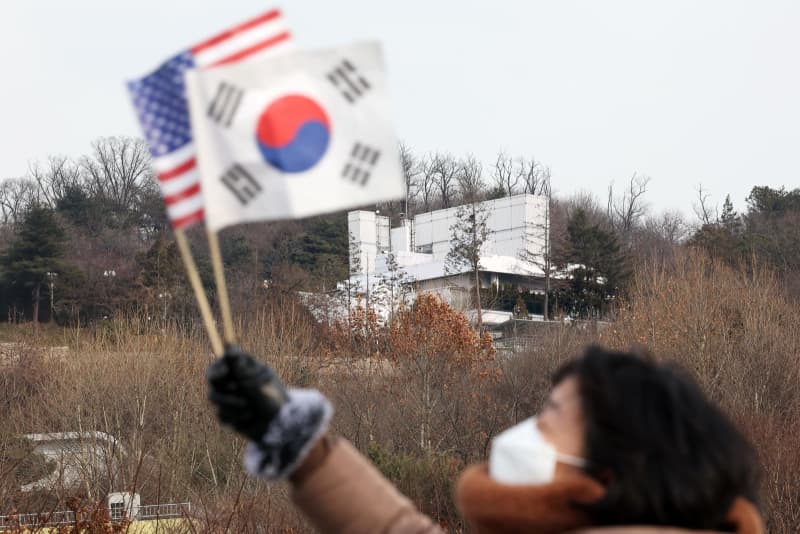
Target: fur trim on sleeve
<point>299,424</point>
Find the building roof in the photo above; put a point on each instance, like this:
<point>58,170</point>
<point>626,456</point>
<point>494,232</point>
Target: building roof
<point>436,269</point>
<point>489,317</point>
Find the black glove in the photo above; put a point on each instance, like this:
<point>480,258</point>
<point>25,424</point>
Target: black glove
<point>281,425</point>
<point>247,394</point>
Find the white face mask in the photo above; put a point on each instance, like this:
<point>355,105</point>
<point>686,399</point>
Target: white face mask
<point>521,456</point>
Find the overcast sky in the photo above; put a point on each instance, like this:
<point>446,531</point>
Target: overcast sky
<point>684,91</point>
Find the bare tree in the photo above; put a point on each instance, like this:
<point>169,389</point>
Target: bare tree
<point>56,179</point>
<point>426,184</point>
<point>626,211</point>
<point>538,233</point>
<point>534,175</point>
<point>470,180</point>
<point>505,175</point>
<point>703,209</point>
<point>669,226</point>
<point>661,235</point>
<point>119,170</point>
<point>445,169</point>
<point>410,172</point>
<point>16,196</point>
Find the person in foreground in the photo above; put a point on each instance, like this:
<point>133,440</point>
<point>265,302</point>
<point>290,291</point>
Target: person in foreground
<point>623,445</point>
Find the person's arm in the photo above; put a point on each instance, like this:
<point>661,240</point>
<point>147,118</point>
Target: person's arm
<point>335,486</point>
<point>341,491</point>
<point>282,425</point>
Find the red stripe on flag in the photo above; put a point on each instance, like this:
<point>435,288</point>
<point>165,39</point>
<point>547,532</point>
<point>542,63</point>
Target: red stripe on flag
<point>224,36</point>
<point>177,171</point>
<point>183,195</point>
<point>283,36</point>
<point>187,220</point>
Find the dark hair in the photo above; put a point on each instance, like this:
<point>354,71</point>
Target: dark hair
<point>667,455</point>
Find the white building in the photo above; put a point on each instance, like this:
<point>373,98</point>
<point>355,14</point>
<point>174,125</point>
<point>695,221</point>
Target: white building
<point>516,226</point>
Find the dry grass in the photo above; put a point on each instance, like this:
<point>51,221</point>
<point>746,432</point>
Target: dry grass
<point>145,387</point>
<point>737,331</point>
<point>734,329</point>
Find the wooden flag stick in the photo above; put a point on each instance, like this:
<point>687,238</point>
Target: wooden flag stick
<point>199,294</point>
<point>222,289</point>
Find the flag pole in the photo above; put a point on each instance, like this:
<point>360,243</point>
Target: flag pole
<point>199,294</point>
<point>222,288</point>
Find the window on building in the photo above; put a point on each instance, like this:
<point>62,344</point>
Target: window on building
<point>117,511</point>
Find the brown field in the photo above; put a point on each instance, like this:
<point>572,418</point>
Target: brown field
<point>419,412</point>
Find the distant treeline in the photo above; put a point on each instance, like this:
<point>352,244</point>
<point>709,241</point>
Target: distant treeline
<point>85,238</point>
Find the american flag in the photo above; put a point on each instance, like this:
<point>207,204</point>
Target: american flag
<point>160,102</point>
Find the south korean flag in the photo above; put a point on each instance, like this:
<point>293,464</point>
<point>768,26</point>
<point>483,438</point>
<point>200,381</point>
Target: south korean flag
<point>296,135</point>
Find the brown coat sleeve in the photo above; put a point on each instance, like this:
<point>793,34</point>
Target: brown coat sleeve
<point>340,491</point>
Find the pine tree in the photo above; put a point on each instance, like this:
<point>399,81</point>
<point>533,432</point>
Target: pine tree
<point>764,200</point>
<point>468,235</point>
<point>729,219</point>
<point>722,237</point>
<point>398,282</point>
<point>354,270</point>
<point>36,253</point>
<point>160,267</point>
<point>354,254</point>
<point>599,267</point>
<point>161,274</point>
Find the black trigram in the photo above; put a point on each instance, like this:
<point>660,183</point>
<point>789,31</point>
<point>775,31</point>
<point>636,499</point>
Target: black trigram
<point>348,81</point>
<point>223,108</point>
<point>362,161</point>
<point>241,183</point>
